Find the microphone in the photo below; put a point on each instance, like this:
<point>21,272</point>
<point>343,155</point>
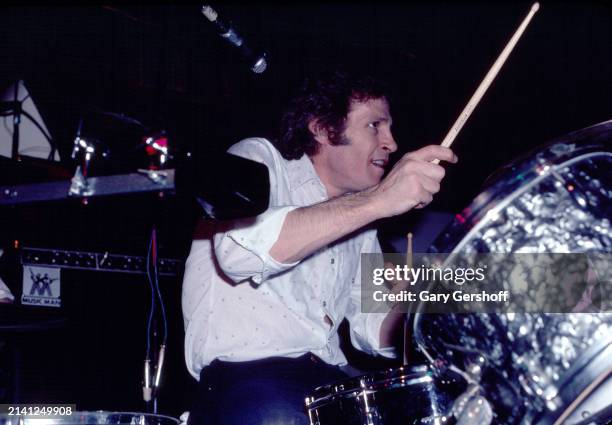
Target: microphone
<point>257,62</point>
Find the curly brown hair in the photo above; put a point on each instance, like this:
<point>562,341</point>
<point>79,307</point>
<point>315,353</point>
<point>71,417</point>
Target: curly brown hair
<point>326,99</point>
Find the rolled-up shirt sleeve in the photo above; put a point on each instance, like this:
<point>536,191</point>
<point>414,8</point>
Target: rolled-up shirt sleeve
<point>243,248</point>
<point>243,252</point>
<point>365,327</point>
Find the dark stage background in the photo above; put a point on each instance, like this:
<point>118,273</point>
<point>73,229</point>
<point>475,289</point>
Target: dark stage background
<point>166,67</point>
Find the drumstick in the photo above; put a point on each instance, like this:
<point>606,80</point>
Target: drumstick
<point>486,82</point>
<point>583,394</point>
<point>406,322</point>
<point>409,250</point>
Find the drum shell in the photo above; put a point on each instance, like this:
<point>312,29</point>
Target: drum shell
<point>395,396</point>
<point>556,199</point>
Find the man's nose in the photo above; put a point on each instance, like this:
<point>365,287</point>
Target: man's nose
<point>388,143</point>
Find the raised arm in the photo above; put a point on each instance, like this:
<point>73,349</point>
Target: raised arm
<point>410,184</point>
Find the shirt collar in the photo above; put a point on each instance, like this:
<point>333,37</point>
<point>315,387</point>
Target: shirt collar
<point>302,171</point>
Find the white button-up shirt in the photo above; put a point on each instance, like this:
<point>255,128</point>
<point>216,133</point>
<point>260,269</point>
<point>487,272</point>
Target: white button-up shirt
<point>240,304</point>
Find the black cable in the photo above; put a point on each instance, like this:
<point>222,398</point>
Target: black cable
<point>153,302</point>
<point>159,295</point>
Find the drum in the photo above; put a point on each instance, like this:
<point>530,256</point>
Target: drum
<point>92,418</point>
<point>405,395</point>
<point>537,368</point>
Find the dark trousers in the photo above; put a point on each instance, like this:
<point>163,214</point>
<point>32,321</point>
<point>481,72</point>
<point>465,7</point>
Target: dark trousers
<point>261,392</point>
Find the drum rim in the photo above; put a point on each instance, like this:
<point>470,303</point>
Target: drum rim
<point>588,368</point>
<point>497,197</point>
<point>582,142</point>
<point>370,382</point>
<point>481,216</point>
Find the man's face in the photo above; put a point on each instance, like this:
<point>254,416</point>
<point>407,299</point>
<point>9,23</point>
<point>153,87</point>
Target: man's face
<point>361,162</point>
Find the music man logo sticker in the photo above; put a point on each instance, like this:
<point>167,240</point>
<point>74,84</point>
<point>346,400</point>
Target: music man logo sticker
<point>41,286</point>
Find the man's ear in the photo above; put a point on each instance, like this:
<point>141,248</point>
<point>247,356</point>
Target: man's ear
<point>318,132</point>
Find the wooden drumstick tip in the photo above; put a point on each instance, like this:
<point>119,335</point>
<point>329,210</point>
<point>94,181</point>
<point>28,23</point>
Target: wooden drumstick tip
<point>409,249</point>
<point>535,7</point>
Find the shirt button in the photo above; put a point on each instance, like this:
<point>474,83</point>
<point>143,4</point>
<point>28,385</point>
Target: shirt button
<point>324,303</point>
